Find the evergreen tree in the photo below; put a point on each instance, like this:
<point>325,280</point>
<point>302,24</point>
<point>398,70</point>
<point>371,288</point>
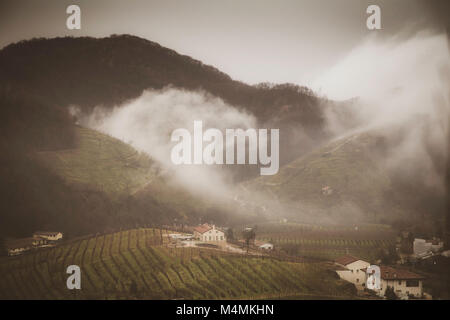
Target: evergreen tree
<point>230,234</point>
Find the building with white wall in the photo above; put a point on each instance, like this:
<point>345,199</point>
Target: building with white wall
<point>208,233</point>
<point>352,270</point>
<point>405,283</point>
<point>266,246</point>
<point>18,246</point>
<point>49,235</point>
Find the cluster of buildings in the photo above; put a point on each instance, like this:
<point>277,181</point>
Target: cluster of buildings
<point>412,249</point>
<point>210,233</point>
<point>404,283</point>
<point>204,233</point>
<point>426,248</point>
<point>38,240</point>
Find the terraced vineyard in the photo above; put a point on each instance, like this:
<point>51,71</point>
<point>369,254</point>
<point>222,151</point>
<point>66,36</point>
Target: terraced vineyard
<point>137,264</point>
<point>328,242</point>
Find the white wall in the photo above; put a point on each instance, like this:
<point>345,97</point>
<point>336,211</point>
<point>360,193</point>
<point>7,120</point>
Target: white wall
<point>211,235</point>
<point>354,274</point>
<point>400,288</point>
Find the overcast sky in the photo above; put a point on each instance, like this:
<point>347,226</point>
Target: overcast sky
<point>251,40</point>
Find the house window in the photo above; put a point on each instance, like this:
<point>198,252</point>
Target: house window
<point>357,280</point>
<point>400,282</point>
<point>357,271</point>
<point>412,283</point>
<point>221,237</point>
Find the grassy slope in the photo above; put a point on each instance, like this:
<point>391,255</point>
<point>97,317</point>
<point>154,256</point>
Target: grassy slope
<point>111,263</point>
<point>345,165</point>
<point>101,162</point>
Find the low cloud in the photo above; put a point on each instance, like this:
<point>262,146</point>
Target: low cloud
<point>402,90</point>
<point>148,122</point>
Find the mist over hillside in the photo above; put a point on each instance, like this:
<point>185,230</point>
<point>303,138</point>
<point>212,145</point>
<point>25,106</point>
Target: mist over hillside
<point>392,164</point>
<point>384,154</point>
<point>43,80</point>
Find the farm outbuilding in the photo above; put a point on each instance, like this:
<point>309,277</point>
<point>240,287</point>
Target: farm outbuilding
<point>266,246</point>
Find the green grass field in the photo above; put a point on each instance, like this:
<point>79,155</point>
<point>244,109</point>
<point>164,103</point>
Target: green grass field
<point>135,264</point>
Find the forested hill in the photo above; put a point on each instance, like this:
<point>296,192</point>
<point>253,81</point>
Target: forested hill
<point>88,72</point>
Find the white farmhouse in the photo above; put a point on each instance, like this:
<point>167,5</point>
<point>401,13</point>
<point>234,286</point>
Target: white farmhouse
<point>208,233</point>
<point>49,235</point>
<point>352,270</point>
<point>404,282</point>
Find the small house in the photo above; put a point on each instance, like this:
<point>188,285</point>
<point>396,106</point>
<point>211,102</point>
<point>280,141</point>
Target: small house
<point>351,270</point>
<point>266,246</point>
<point>404,283</point>
<point>49,235</point>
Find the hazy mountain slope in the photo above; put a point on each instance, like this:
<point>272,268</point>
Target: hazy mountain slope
<point>99,184</point>
<point>41,78</point>
<point>101,163</point>
<point>71,186</point>
<point>358,185</point>
<point>89,72</point>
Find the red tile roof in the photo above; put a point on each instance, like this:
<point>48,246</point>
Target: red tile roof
<point>345,260</point>
<point>390,273</point>
<point>203,228</point>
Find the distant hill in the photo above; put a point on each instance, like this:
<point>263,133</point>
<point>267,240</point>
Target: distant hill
<point>101,183</point>
<point>41,78</point>
<point>347,180</point>
<point>79,190</point>
<point>89,72</point>
<point>55,175</point>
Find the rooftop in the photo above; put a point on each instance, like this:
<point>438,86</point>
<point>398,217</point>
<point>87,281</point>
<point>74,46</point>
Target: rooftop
<point>391,273</point>
<point>345,260</point>
<point>203,228</point>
